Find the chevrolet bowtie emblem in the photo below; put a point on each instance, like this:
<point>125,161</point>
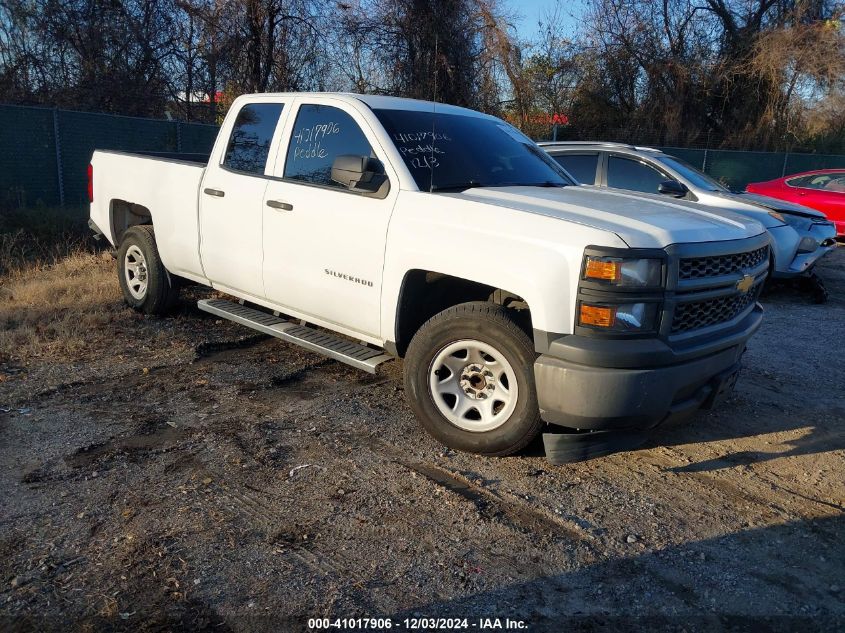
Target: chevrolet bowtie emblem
<point>744,284</point>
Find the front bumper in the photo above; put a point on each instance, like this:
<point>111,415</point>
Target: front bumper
<point>610,392</point>
<point>788,261</point>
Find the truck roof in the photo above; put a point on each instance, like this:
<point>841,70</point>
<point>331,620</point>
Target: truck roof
<point>379,102</point>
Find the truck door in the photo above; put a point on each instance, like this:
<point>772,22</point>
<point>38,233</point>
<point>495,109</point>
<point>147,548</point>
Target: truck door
<point>231,197</point>
<point>324,244</point>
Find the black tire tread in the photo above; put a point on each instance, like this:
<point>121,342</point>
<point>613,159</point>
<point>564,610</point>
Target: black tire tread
<point>500,316</point>
<point>162,291</point>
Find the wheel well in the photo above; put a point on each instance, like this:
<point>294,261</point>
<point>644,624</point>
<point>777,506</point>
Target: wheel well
<point>425,293</point>
<point>125,215</point>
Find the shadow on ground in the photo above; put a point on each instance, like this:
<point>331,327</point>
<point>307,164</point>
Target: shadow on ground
<point>695,591</point>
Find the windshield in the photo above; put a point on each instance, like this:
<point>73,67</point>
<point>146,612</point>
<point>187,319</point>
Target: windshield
<point>692,175</point>
<point>454,151</point>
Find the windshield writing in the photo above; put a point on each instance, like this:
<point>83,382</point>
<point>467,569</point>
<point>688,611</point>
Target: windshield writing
<point>449,151</point>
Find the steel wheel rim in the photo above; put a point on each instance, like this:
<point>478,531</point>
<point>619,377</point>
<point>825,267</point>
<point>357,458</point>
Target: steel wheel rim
<point>135,272</point>
<point>473,385</point>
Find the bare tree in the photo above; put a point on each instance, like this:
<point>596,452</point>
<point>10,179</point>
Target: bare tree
<point>731,72</point>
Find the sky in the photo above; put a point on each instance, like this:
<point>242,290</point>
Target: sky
<point>533,11</point>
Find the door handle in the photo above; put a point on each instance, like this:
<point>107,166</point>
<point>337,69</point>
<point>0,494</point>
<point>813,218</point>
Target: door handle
<point>214,192</point>
<point>278,204</point>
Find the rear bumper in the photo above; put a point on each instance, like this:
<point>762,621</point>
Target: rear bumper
<point>577,389</point>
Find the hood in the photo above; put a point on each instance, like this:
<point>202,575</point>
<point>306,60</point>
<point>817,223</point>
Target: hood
<point>765,203</point>
<point>641,220</point>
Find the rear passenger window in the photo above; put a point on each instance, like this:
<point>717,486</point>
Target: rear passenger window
<point>624,173</point>
<point>252,134</point>
<point>813,181</point>
<point>321,134</point>
<point>837,184</point>
<point>581,166</point>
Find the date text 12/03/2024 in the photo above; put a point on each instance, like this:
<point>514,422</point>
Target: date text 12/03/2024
<point>418,624</point>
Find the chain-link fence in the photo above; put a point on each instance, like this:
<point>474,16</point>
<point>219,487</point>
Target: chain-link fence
<point>737,168</point>
<point>44,152</point>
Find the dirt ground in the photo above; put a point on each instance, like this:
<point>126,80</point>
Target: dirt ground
<point>182,474</point>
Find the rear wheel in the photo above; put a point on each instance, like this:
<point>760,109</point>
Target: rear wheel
<point>469,374</point>
<point>143,278</point>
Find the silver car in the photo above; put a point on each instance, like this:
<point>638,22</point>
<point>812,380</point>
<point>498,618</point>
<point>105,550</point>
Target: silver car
<point>800,235</point>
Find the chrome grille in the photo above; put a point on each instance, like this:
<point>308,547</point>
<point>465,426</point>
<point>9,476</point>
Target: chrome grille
<point>700,314</point>
<point>715,266</point>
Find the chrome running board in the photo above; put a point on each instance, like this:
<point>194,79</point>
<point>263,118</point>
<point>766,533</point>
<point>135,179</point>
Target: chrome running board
<point>319,341</point>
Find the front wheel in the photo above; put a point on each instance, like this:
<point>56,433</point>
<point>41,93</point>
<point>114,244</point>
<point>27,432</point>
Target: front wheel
<point>143,278</point>
<point>469,375</point>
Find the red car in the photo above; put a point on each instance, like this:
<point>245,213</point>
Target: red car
<point>823,189</point>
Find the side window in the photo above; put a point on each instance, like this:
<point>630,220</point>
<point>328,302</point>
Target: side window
<point>813,181</point>
<point>837,184</point>
<point>581,166</point>
<point>320,134</point>
<point>252,134</point>
<point>624,173</point>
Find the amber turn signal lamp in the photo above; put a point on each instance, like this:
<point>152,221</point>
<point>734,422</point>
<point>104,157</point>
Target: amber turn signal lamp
<point>597,316</point>
<point>598,269</point>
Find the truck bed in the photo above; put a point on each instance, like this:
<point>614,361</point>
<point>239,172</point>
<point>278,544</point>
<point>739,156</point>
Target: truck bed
<point>163,185</point>
<point>181,157</point>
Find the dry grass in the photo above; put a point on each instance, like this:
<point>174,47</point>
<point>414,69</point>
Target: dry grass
<point>57,309</point>
<point>41,236</point>
<point>19,251</point>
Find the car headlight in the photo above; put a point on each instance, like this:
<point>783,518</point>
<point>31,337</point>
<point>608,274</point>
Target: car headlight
<point>797,222</point>
<point>624,317</point>
<point>623,272</point>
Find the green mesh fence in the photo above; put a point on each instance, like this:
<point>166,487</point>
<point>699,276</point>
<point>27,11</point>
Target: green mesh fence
<point>695,157</point>
<point>796,163</point>
<point>28,161</point>
<point>196,138</point>
<point>736,169</point>
<point>35,170</point>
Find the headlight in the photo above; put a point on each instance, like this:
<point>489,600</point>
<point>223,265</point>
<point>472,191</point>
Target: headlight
<point>797,222</point>
<point>625,317</point>
<point>623,273</point>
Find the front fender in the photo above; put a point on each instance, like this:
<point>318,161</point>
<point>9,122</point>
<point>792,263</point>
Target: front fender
<point>784,247</point>
<point>533,256</point>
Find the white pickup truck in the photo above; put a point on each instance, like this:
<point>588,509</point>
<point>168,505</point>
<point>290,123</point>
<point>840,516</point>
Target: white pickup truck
<point>445,236</point>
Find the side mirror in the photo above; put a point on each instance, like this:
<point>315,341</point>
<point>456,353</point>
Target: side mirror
<point>672,188</point>
<point>358,173</point>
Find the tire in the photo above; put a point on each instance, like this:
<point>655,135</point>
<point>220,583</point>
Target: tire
<point>469,376</point>
<point>144,280</point>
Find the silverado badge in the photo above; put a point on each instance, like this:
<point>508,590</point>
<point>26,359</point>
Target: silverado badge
<point>744,284</point>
